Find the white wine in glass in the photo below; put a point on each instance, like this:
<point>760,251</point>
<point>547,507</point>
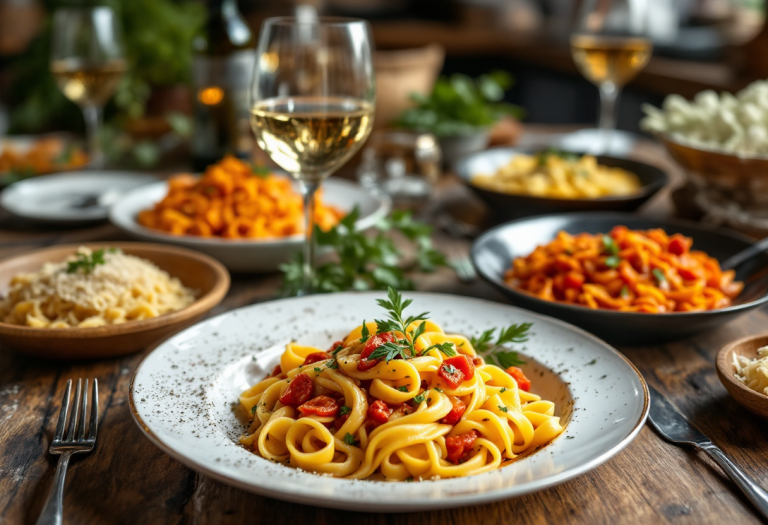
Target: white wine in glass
<point>312,104</point>
<point>88,63</point>
<point>610,47</point>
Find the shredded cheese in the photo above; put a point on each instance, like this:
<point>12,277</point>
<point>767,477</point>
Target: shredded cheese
<point>753,372</point>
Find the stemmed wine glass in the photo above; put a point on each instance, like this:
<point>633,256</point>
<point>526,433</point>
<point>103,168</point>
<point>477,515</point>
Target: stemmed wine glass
<point>610,45</point>
<point>312,103</point>
<point>87,61</point>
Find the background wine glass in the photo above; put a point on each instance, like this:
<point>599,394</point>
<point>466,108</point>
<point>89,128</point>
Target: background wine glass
<point>610,45</point>
<point>313,100</point>
<point>87,62</point>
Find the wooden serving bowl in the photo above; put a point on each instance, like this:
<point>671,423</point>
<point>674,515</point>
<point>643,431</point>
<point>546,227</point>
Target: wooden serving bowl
<point>206,276</point>
<point>746,397</point>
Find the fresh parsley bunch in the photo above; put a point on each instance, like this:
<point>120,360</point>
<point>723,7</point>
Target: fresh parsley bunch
<point>460,105</point>
<point>496,351</point>
<point>87,263</point>
<point>364,261</point>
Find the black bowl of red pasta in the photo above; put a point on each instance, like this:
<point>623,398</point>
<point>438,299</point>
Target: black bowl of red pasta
<point>627,278</point>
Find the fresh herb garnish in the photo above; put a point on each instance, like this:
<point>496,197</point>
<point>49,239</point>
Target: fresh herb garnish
<point>343,411</point>
<point>318,369</point>
<point>333,364</point>
<point>613,261</point>
<point>253,409</point>
<point>420,397</point>
<point>403,388</point>
<point>260,171</point>
<point>349,439</point>
<point>503,389</point>
<point>88,263</point>
<point>450,369</point>
<point>609,245</point>
<point>624,293</point>
<point>364,333</point>
<point>659,275</point>
<point>446,348</point>
<point>543,156</point>
<point>497,352</point>
<point>503,408</point>
<point>366,262</point>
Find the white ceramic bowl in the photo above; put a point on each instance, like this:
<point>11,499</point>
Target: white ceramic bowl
<point>598,394</point>
<point>245,255</point>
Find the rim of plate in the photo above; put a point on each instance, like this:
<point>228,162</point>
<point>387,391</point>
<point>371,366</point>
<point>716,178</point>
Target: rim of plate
<point>499,283</point>
<point>456,497</point>
<point>128,223</point>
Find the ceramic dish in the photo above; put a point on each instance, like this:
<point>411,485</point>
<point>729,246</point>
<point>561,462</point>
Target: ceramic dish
<point>71,198</point>
<point>196,271</point>
<point>493,252</point>
<point>507,206</point>
<point>245,255</point>
<point>599,395</point>
<point>747,347</point>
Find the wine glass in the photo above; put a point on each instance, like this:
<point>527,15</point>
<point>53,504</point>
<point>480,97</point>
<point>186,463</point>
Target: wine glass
<point>87,62</point>
<point>610,45</point>
<point>312,103</point>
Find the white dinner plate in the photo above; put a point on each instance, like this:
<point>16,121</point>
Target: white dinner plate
<point>245,255</point>
<point>184,397</point>
<point>72,197</point>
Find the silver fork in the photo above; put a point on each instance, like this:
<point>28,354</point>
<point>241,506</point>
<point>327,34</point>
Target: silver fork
<point>462,265</point>
<point>75,443</point>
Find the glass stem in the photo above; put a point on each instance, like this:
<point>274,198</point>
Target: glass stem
<point>93,119</point>
<point>309,189</point>
<point>609,93</point>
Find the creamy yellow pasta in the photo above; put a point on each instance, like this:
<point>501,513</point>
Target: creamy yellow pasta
<point>559,176</point>
<point>92,289</point>
<point>437,411</point>
<point>753,372</point>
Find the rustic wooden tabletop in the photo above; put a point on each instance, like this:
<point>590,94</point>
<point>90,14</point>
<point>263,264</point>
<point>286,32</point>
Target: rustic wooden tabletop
<point>128,480</point>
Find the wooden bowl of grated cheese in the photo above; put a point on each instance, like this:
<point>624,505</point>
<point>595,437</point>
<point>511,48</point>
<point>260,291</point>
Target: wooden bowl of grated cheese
<point>104,300</point>
<point>743,369</point>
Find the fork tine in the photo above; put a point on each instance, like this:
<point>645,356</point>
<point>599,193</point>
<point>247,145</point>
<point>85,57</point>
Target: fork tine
<point>93,425</point>
<point>75,411</point>
<point>62,423</point>
<point>83,412</point>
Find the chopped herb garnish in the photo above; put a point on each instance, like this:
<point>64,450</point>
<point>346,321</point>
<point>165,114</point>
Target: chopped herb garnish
<point>349,439</point>
<point>253,409</point>
<point>343,411</point>
<point>439,389</point>
<point>403,388</point>
<point>89,262</point>
<point>446,348</point>
<point>503,389</point>
<point>609,245</point>
<point>613,261</point>
<point>332,364</point>
<point>624,293</point>
<point>503,408</point>
<point>318,369</point>
<point>497,352</point>
<point>420,397</point>
<point>594,361</point>
<point>365,334</point>
<point>659,275</point>
<point>450,369</point>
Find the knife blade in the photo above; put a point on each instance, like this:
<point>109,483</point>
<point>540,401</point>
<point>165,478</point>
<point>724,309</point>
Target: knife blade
<point>671,423</point>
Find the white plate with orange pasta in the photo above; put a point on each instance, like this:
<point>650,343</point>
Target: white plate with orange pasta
<point>364,401</point>
<point>250,219</point>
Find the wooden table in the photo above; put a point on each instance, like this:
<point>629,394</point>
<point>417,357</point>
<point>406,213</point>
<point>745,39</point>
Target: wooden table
<point>128,480</point>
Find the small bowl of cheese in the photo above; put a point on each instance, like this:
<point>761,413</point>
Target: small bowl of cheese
<point>96,301</point>
<point>742,367</point>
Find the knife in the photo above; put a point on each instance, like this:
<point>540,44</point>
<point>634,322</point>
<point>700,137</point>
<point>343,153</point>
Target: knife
<point>675,428</point>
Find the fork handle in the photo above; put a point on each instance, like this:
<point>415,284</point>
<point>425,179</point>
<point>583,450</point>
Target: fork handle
<point>52,512</point>
<point>752,490</point>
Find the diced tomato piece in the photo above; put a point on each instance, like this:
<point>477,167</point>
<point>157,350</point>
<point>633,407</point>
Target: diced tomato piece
<point>339,421</point>
<point>455,370</point>
<point>573,280</point>
<point>688,274</point>
<point>678,244</point>
<point>379,412</point>
<point>451,375</point>
<point>323,406</point>
<point>372,344</point>
<point>299,391</point>
<point>523,383</point>
<point>276,371</point>
<point>456,412</point>
<point>315,357</point>
<point>459,446</point>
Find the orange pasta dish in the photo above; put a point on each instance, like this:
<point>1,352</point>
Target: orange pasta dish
<point>46,155</point>
<point>627,270</point>
<point>236,201</point>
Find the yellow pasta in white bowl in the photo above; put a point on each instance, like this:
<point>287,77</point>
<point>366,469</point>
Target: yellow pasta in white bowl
<point>401,400</point>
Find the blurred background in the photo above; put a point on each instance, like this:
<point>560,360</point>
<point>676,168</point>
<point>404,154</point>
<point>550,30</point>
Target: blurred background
<point>697,45</point>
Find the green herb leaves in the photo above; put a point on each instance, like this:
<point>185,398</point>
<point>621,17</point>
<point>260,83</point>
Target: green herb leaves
<point>350,440</point>
<point>460,105</point>
<point>87,263</point>
<point>497,352</point>
<point>659,275</point>
<point>343,411</point>
<point>421,397</point>
<point>367,262</point>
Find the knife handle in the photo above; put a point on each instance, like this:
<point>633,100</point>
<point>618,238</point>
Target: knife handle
<point>752,490</point>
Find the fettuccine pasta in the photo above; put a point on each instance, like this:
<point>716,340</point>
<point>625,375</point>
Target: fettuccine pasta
<point>438,411</point>
<point>631,271</point>
<point>233,201</point>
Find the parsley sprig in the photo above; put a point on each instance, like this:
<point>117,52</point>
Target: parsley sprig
<point>367,262</point>
<point>496,351</point>
<point>87,263</point>
<point>611,249</point>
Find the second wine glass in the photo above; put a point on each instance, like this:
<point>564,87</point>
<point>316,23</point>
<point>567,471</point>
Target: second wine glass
<point>313,98</point>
